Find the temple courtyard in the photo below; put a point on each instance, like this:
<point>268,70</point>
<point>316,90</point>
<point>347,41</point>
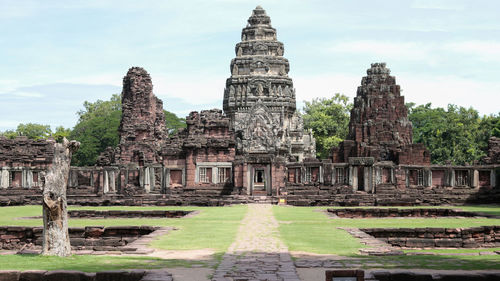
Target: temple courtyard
<point>263,241</point>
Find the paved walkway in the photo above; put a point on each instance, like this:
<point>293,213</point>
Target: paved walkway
<point>257,254</point>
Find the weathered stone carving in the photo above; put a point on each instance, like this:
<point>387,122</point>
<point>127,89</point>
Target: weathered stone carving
<point>493,156</point>
<point>55,213</point>
<point>263,72</point>
<point>379,125</point>
<point>142,128</point>
<point>22,151</point>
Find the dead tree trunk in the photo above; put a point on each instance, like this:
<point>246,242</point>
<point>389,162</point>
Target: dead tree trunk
<point>55,209</point>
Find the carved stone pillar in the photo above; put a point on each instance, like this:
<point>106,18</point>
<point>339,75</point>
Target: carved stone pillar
<point>112,181</point>
<point>24,181</point>
<point>29,178</point>
<point>475,179</point>
<point>354,178</point>
<point>152,180</point>
<point>146,180</point>
<point>4,179</point>
<point>106,182</point>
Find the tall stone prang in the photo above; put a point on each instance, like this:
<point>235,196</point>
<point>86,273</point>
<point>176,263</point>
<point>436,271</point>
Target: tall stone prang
<point>259,96</point>
<point>142,128</point>
<point>379,126</point>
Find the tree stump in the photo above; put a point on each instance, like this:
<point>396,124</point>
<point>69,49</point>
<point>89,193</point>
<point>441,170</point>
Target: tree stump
<point>55,210</point>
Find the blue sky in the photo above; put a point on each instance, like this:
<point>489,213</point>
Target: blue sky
<point>54,55</point>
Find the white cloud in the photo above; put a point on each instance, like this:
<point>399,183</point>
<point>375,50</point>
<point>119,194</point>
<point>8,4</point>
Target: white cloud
<point>8,124</point>
<point>485,50</point>
<point>420,89</point>
<point>454,5</point>
<point>386,50</point>
<point>27,94</point>
<point>195,89</point>
<point>444,90</point>
<point>8,85</point>
<point>431,53</point>
<point>113,79</point>
<point>325,86</point>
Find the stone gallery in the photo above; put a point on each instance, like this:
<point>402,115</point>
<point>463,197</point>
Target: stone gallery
<point>256,148</point>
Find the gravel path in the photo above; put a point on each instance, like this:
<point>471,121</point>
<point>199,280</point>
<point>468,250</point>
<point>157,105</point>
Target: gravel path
<point>257,253</point>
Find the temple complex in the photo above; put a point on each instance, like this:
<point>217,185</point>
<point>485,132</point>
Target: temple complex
<point>256,148</point>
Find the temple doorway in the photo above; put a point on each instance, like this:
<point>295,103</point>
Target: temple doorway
<point>361,178</point>
<point>259,181</point>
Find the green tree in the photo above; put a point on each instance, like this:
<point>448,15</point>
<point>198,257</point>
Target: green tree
<point>61,133</point>
<point>34,131</point>
<point>329,121</point>
<point>173,123</point>
<point>455,134</point>
<point>10,134</point>
<point>97,128</point>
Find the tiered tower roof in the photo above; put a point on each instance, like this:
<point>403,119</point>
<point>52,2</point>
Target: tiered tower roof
<point>259,71</point>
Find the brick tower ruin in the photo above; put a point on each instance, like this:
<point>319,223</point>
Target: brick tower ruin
<point>142,127</point>
<point>379,126</point>
<point>259,96</point>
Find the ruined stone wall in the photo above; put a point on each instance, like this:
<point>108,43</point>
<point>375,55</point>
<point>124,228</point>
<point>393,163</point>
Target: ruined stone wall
<point>24,152</point>
<point>343,195</point>
<point>493,156</point>
<point>397,212</point>
<point>208,139</point>
<point>473,237</point>
<point>142,128</point>
<point>90,237</point>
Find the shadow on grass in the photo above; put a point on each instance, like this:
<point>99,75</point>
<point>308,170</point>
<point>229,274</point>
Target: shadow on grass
<point>437,262</point>
<point>91,263</point>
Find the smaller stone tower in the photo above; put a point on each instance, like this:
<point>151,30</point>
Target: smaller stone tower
<point>142,128</point>
<point>379,126</point>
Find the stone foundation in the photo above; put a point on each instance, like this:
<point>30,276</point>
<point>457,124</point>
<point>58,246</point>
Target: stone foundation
<point>395,212</point>
<point>127,214</point>
<point>96,214</point>
<point>473,237</point>
<point>91,237</point>
<point>406,275</point>
<point>64,275</point>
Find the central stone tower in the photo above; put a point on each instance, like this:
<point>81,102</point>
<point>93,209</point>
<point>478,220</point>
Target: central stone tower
<point>259,96</point>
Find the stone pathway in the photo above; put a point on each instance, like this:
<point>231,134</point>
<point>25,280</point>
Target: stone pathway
<point>257,254</point>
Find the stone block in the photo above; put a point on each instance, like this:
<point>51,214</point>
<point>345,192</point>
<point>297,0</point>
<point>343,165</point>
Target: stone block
<point>32,275</point>
<point>120,275</point>
<point>9,275</point>
<point>449,243</point>
<point>419,243</point>
<point>68,275</point>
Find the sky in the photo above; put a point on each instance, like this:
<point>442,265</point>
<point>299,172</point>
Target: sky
<point>54,55</point>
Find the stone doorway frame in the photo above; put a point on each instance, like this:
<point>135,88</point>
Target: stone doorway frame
<point>266,168</point>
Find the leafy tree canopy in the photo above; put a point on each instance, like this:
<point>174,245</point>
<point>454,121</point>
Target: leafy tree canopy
<point>455,134</point>
<point>173,123</point>
<point>37,131</point>
<point>97,128</point>
<point>329,121</point>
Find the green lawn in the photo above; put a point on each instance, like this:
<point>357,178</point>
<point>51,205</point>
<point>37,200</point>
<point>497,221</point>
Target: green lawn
<point>213,228</point>
<point>310,229</point>
<point>306,229</point>
<point>87,263</point>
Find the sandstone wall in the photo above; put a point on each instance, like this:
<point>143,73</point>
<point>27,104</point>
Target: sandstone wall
<point>474,237</point>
